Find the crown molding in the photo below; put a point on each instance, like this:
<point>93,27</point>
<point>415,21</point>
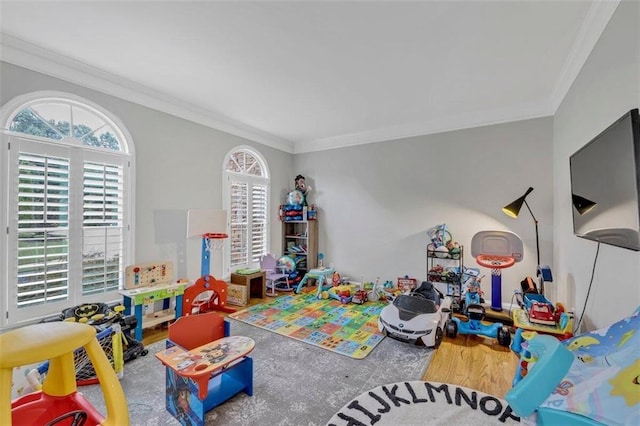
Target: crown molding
<point>441,125</point>
<point>594,24</point>
<point>21,53</point>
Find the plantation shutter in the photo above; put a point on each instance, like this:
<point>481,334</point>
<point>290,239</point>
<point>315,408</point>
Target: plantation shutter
<point>246,200</point>
<point>42,229</point>
<point>258,221</point>
<point>102,227</point>
<point>239,223</point>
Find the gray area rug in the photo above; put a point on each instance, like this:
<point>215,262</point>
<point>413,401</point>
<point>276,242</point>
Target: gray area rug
<point>294,383</point>
<point>418,403</point>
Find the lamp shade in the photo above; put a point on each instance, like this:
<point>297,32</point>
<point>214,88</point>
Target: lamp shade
<point>512,209</point>
<point>581,204</point>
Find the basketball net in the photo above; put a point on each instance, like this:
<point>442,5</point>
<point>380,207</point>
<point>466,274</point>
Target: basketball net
<point>214,242</point>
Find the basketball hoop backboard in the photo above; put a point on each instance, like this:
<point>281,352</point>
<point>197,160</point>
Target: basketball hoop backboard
<point>203,221</point>
<point>497,243</point>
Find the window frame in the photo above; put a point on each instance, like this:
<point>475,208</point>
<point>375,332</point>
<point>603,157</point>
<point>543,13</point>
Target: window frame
<point>228,179</point>
<point>78,154</point>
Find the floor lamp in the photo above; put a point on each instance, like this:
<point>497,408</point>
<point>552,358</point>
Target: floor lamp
<point>512,210</point>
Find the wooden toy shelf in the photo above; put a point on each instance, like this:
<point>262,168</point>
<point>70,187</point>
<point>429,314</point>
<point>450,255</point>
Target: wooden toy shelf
<point>300,242</point>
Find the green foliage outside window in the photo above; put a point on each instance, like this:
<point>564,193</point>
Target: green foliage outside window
<point>30,123</point>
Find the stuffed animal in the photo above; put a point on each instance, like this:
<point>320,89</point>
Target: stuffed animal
<point>301,186</point>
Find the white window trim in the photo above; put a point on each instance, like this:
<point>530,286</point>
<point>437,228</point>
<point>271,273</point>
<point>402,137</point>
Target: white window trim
<point>226,200</point>
<point>7,113</point>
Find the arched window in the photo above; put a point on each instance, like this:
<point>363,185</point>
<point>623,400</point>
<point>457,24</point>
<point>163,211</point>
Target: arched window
<point>247,203</point>
<point>68,203</point>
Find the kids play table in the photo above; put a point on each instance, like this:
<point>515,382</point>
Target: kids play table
<point>138,297</point>
<point>205,377</point>
<point>319,274</point>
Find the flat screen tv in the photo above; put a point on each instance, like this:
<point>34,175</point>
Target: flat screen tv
<point>605,185</point>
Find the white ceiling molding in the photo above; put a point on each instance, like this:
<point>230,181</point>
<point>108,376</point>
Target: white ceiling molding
<point>442,124</point>
<point>594,24</point>
<point>30,56</point>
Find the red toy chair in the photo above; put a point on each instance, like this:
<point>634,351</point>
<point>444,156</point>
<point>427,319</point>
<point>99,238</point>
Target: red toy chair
<point>197,331</point>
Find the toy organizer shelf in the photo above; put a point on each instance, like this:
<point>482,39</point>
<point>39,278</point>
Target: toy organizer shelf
<point>300,242</point>
<point>445,271</point>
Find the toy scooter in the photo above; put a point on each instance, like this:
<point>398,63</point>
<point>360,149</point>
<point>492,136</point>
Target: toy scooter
<point>475,313</point>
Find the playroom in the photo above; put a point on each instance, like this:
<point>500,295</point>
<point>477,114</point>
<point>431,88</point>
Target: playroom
<point>319,212</point>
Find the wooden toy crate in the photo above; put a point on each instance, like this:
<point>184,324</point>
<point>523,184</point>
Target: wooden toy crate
<point>237,295</point>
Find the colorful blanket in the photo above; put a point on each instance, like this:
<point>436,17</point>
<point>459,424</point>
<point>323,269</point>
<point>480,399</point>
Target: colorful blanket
<point>602,383</point>
<point>348,329</point>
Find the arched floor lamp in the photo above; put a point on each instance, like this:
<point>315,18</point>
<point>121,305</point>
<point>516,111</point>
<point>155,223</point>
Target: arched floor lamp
<point>512,210</point>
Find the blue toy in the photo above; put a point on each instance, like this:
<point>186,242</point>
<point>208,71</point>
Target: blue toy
<point>590,379</point>
<point>475,312</point>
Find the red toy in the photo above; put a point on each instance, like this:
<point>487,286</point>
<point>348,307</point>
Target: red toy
<point>541,313</point>
<point>359,297</point>
<point>540,309</point>
<point>59,401</point>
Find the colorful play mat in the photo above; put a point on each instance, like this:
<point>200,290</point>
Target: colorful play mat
<point>348,329</point>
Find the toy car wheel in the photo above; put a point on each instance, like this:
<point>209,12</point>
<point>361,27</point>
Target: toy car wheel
<point>451,328</point>
<point>439,335</point>
<point>504,337</point>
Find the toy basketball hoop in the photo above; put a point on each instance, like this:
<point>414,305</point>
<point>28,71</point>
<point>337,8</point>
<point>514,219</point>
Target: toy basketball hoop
<point>207,226</point>
<point>213,241</point>
<point>496,250</point>
<point>494,261</point>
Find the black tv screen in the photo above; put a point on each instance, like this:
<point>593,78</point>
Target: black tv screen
<point>605,185</point>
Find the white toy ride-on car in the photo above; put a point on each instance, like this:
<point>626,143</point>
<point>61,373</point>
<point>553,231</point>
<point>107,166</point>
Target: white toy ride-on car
<point>413,318</point>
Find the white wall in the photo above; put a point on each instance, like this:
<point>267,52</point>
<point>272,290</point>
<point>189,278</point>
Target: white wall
<point>178,167</point>
<point>607,87</point>
<point>377,201</point>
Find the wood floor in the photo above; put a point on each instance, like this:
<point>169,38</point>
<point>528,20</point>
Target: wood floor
<point>471,361</point>
<point>474,362</point>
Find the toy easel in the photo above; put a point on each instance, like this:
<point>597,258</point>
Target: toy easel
<point>207,293</point>
<point>496,250</point>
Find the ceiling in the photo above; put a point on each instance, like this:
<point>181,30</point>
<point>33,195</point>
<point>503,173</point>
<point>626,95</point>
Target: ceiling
<point>304,76</point>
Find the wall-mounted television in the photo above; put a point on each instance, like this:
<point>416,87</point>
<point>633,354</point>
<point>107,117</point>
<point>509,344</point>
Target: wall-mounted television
<point>605,185</point>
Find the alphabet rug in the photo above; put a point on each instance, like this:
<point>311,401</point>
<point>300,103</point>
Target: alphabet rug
<point>422,403</point>
<point>347,329</point>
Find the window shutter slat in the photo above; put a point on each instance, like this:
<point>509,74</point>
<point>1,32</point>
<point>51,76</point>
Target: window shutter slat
<point>103,213</point>
<point>43,211</point>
